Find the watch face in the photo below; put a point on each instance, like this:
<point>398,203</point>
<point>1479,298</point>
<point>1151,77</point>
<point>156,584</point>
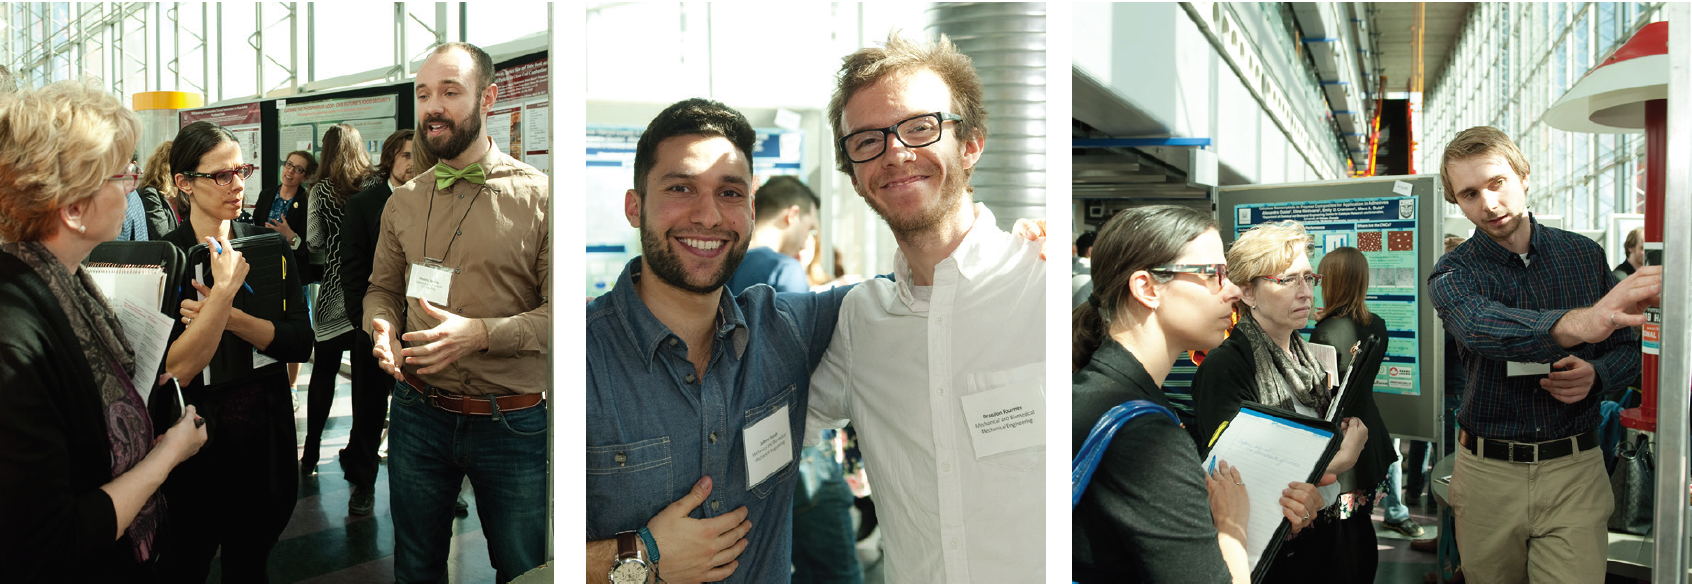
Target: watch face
<point>628,571</point>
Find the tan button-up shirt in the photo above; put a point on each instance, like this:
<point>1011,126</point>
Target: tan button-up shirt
<point>495,236</point>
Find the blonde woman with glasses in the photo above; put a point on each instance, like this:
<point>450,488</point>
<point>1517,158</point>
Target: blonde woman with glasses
<point>1265,360</point>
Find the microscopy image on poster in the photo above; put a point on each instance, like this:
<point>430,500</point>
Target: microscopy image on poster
<point>1384,230</point>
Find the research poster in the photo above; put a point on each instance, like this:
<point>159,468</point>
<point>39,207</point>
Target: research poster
<point>517,121</point>
<point>303,125</point>
<point>1384,230</point>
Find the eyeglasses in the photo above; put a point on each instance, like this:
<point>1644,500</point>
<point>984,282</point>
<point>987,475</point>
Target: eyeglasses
<point>1219,270</point>
<point>127,179</point>
<point>286,166</point>
<point>864,146</point>
<point>225,176</point>
<point>1311,279</point>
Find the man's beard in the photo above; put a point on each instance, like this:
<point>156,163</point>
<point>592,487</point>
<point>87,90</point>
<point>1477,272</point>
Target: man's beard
<point>928,217</point>
<point>667,265</point>
<point>458,137</point>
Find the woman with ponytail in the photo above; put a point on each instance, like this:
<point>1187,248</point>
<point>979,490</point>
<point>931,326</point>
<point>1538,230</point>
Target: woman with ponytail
<point>1160,288</point>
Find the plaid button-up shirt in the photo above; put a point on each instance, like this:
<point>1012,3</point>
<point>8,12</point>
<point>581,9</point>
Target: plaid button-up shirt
<point>1501,310</point>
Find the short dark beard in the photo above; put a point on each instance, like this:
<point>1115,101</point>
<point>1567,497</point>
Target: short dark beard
<point>458,138</point>
<point>668,267</point>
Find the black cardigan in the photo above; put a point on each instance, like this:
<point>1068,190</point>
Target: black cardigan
<point>360,229</point>
<point>1146,514</point>
<point>1228,377</point>
<point>55,453</point>
<point>297,218</point>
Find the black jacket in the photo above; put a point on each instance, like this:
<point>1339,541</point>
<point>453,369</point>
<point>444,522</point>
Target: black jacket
<point>161,217</point>
<point>56,454</point>
<point>360,228</point>
<point>1146,514</point>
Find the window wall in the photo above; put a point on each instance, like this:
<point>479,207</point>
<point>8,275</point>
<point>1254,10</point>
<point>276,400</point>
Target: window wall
<point>1511,63</point>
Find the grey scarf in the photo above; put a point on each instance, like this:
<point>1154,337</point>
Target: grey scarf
<point>1280,378</point>
<point>129,429</point>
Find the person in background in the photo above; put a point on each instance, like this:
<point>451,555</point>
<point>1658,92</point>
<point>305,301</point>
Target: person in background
<point>240,491</point>
<point>81,465</point>
<point>823,542</point>
<point>284,208</point>
<point>134,211</point>
<point>1162,288</point>
<point>344,169</point>
<point>1346,321</point>
<point>159,199</point>
<point>1635,247</point>
<point>361,225</point>
<point>1080,271</point>
<point>1264,360</point>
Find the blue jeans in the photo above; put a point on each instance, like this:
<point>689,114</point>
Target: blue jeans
<point>824,544</point>
<point>1392,507</point>
<point>430,451</point>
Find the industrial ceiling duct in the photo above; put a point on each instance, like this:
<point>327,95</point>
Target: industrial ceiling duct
<point>1007,41</point>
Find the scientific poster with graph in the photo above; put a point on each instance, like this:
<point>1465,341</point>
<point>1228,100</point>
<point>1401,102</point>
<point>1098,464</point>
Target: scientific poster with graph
<point>1384,230</point>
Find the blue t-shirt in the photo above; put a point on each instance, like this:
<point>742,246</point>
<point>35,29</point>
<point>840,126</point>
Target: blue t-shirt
<point>655,428</point>
<point>278,207</point>
<point>766,266</point>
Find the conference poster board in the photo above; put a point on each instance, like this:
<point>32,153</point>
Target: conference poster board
<point>244,121</point>
<point>1395,222</point>
<point>519,122</point>
<point>302,125</point>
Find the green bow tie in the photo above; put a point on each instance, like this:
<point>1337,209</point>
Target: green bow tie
<point>444,175</point>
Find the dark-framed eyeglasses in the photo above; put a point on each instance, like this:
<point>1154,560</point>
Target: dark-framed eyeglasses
<point>1206,271</point>
<point>287,166</point>
<point>225,176</point>
<point>864,146</point>
<point>1311,279</point>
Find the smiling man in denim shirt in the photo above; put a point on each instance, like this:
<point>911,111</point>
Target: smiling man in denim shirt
<point>696,398</point>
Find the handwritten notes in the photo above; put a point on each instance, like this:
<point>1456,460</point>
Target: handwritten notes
<point>1269,452</point>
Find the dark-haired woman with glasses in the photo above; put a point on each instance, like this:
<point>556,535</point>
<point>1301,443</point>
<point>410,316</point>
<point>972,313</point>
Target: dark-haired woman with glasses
<point>239,491</point>
<point>1264,360</point>
<point>1161,287</point>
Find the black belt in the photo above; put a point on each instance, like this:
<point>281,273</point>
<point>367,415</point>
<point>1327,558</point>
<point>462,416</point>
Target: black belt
<point>1527,452</point>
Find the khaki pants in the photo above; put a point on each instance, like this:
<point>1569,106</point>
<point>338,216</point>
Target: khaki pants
<point>1538,523</point>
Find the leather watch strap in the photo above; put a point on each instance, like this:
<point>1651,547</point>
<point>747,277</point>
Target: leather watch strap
<point>628,545</point>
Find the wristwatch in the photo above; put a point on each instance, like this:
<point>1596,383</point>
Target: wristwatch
<point>630,566</point>
<point>295,242</point>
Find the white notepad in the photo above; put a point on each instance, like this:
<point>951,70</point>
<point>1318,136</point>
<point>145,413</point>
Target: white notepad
<point>1270,451</point>
<point>135,294</point>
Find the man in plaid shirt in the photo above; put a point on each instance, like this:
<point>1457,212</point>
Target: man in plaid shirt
<point>1529,492</point>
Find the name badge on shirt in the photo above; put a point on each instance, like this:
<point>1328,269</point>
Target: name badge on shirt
<point>1006,419</point>
<point>1526,369</point>
<point>429,281</point>
<point>769,447</point>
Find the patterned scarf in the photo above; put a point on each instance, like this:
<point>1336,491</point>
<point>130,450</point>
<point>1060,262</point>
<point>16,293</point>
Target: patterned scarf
<point>1280,378</point>
<point>128,427</point>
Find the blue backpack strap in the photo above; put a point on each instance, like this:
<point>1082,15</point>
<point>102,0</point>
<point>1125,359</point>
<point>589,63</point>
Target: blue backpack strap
<point>1092,450</point>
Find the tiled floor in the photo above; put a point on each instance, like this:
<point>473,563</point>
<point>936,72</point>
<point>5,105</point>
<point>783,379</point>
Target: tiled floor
<point>323,544</point>
<point>1398,563</point>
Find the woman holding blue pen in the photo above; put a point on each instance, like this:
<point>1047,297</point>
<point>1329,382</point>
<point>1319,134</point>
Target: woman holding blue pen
<point>239,491</point>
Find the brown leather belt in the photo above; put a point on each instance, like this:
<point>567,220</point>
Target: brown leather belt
<point>1527,452</point>
<point>470,405</point>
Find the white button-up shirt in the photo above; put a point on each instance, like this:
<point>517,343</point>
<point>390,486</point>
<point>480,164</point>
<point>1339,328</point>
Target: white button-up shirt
<point>898,368</point>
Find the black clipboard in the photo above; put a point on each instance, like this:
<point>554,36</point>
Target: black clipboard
<point>267,257</point>
<point>1317,425</point>
<point>1354,388</point>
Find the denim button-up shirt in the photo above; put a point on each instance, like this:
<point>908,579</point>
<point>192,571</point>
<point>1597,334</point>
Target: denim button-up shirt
<point>654,427</point>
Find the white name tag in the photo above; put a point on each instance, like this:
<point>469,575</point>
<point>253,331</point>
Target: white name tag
<point>429,282</point>
<point>1005,419</point>
<point>769,446</point>
<point>1526,369</point>
<point>260,360</point>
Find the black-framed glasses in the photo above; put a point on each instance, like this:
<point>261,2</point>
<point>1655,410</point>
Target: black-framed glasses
<point>226,176</point>
<point>287,166</point>
<point>1311,279</point>
<point>1218,270</point>
<point>864,146</point>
